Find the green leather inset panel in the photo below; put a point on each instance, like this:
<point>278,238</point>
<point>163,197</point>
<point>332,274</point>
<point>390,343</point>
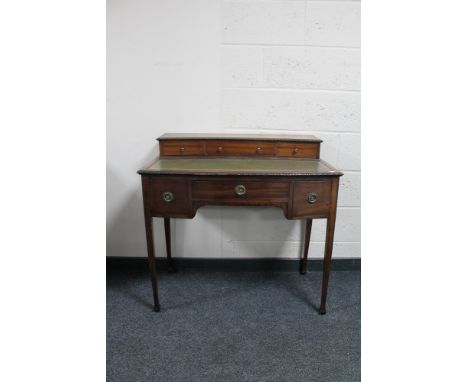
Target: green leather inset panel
<point>240,166</point>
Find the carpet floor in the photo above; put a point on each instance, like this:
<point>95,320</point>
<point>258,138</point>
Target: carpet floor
<point>232,326</point>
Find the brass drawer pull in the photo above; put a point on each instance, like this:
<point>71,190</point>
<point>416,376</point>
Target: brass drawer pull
<point>296,150</point>
<point>182,149</point>
<point>168,196</point>
<point>220,149</point>
<point>311,198</point>
<point>259,149</point>
<point>240,190</point>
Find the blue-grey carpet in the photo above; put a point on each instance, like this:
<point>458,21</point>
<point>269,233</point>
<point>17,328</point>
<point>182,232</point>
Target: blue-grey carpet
<point>232,326</point>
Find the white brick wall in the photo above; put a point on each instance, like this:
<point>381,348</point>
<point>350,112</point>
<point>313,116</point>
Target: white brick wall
<point>290,109</point>
<point>334,23</point>
<point>262,66</point>
<point>311,68</point>
<point>294,66</point>
<point>262,22</point>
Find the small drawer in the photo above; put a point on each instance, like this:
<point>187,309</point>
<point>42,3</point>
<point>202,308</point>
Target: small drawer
<point>239,192</point>
<point>179,147</point>
<point>240,148</point>
<point>311,198</point>
<point>298,150</point>
<point>169,196</point>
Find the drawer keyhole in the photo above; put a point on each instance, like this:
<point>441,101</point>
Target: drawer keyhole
<point>240,190</point>
<point>312,198</point>
<point>168,196</point>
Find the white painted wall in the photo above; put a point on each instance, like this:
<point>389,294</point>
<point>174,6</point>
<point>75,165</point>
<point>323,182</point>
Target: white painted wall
<point>231,66</point>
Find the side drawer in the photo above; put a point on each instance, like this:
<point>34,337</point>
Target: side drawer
<point>239,192</point>
<point>167,196</point>
<point>298,150</point>
<point>180,147</point>
<point>240,148</point>
<point>311,198</point>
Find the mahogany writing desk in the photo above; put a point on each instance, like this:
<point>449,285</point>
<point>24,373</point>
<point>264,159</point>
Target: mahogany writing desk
<point>240,170</point>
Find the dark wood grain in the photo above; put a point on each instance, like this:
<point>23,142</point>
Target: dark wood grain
<point>236,146</point>
<point>296,180</point>
<point>182,147</point>
<point>239,148</point>
<point>179,206</point>
<point>240,137</point>
<point>329,245</point>
<point>167,231</point>
<point>150,245</point>
<point>298,150</point>
<point>300,205</point>
<point>256,191</point>
<point>308,229</point>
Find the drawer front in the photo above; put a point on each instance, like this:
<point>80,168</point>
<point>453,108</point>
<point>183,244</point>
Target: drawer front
<point>169,196</point>
<point>311,198</point>
<point>238,192</point>
<point>240,148</point>
<point>298,150</point>
<point>178,147</point>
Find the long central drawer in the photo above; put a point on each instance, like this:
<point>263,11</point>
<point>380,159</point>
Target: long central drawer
<point>236,148</point>
<point>240,191</point>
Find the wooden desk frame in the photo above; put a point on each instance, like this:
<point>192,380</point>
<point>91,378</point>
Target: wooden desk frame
<point>178,193</point>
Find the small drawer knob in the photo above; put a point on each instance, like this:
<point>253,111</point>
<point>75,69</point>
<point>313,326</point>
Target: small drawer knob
<point>240,190</point>
<point>259,149</point>
<point>312,198</point>
<point>220,149</point>
<point>168,196</point>
<point>182,149</point>
<point>296,150</point>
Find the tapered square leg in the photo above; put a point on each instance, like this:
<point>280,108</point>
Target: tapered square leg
<point>152,259</point>
<point>328,246</point>
<point>308,229</point>
<point>327,263</point>
<point>167,230</point>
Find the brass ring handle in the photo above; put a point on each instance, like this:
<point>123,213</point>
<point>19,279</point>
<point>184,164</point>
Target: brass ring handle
<point>240,190</point>
<point>296,150</point>
<point>168,196</point>
<point>311,198</point>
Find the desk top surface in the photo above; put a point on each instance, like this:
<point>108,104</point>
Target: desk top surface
<point>240,166</point>
<point>242,137</point>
